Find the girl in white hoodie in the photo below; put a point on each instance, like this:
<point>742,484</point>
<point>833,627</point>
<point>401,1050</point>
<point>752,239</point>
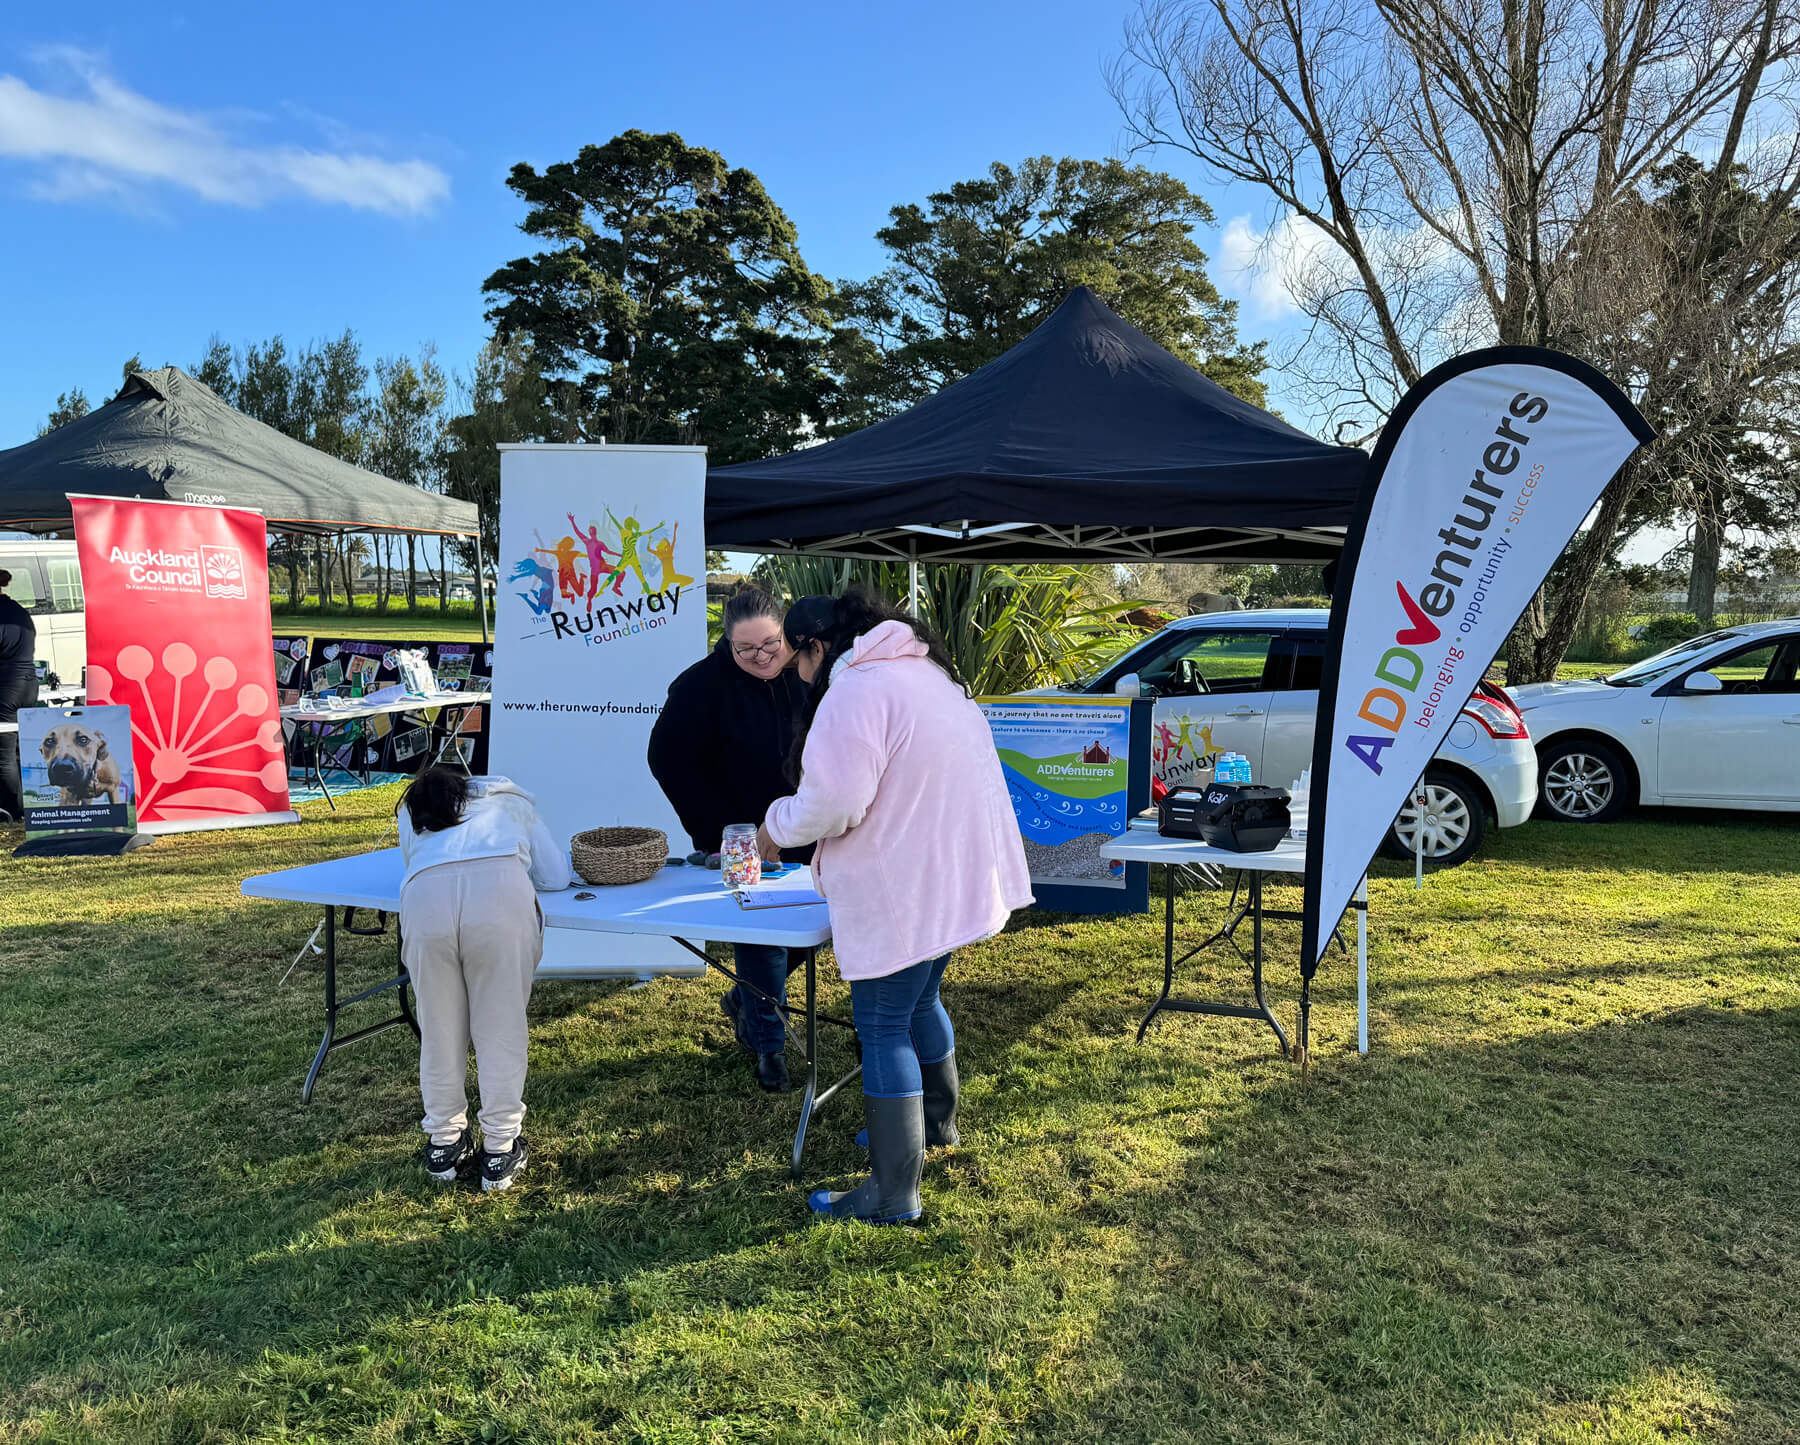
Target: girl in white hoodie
<point>476,854</point>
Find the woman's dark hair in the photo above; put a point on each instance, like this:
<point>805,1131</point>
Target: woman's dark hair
<point>747,602</point>
<point>436,799</point>
<point>838,622</point>
<point>5,579</point>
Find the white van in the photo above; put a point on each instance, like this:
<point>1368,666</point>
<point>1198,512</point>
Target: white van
<point>46,582</point>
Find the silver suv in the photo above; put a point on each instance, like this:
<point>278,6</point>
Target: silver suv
<point>1248,682</point>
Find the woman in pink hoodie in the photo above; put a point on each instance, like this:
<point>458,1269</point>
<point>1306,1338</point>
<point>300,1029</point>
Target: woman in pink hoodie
<point>918,854</point>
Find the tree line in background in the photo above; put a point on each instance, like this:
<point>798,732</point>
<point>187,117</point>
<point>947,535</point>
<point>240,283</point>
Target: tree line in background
<point>1614,181</point>
<point>1445,175</point>
<point>668,302</point>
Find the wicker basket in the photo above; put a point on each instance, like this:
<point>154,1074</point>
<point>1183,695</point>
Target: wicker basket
<point>619,855</point>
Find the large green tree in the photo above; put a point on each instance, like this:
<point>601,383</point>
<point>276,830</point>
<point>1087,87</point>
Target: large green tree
<point>668,301</point>
<point>976,267</point>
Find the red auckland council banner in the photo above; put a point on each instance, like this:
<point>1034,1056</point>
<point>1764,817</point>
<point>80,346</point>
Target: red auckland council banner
<point>178,628</point>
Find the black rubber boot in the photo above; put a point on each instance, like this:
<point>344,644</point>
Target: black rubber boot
<point>890,1195</point>
<point>941,1091</point>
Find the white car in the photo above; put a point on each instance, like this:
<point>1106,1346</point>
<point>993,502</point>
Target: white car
<point>1248,682</point>
<point>1712,723</point>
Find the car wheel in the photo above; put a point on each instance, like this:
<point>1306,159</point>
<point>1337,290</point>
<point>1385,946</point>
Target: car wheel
<point>1582,780</point>
<point>1455,823</point>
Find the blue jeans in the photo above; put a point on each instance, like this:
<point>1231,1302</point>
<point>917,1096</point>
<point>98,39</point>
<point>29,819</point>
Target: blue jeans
<point>763,966</point>
<point>902,1024</point>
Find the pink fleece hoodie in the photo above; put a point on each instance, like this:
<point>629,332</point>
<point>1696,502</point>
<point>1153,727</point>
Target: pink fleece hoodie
<point>919,852</point>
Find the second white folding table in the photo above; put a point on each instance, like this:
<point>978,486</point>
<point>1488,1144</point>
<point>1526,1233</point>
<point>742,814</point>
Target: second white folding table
<point>1145,845</point>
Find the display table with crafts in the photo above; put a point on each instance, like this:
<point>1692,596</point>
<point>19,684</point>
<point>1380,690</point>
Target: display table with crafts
<point>323,716</point>
<point>689,906</point>
<point>1141,843</point>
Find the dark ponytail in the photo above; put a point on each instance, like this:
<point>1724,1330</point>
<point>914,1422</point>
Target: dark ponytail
<point>838,622</point>
<point>436,799</point>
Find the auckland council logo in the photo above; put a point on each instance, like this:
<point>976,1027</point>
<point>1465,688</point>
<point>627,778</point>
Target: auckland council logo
<point>223,568</point>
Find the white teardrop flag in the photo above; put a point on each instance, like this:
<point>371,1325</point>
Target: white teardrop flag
<point>1482,475</point>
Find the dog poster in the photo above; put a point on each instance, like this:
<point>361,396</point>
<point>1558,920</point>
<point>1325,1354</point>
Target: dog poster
<point>75,769</point>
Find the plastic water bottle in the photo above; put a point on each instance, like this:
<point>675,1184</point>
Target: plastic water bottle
<point>1233,768</point>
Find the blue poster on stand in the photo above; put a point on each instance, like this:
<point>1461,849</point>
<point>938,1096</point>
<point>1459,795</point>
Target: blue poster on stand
<point>1075,780</point>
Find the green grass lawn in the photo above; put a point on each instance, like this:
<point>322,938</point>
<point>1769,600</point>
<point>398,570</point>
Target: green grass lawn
<point>1558,1202</point>
<point>425,625</point>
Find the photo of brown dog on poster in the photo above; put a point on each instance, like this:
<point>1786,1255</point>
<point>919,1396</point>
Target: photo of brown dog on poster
<point>79,764</point>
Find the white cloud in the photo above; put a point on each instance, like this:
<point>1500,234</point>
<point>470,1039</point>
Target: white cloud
<point>98,139</point>
<point>1266,268</point>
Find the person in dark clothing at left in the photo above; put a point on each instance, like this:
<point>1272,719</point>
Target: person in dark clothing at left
<point>18,688</point>
<point>719,752</point>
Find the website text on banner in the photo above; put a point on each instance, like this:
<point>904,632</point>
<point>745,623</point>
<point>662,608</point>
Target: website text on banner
<point>1482,475</point>
<point>601,602</point>
<point>178,629</point>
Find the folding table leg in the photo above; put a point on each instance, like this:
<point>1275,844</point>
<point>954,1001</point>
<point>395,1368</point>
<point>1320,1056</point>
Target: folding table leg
<point>812,1057</point>
<point>1256,966</point>
<point>401,982</point>
<point>318,1063</point>
<point>1168,950</point>
<point>814,1098</point>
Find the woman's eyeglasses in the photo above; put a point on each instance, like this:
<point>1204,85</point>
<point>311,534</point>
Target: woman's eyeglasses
<point>760,651</point>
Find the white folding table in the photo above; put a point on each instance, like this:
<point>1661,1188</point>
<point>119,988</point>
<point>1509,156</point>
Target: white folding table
<point>1142,844</point>
<point>689,906</point>
<point>453,709</point>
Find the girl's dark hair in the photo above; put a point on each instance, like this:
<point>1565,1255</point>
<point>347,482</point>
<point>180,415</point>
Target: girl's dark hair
<point>838,622</point>
<point>747,602</point>
<point>5,578</point>
<point>436,799</point>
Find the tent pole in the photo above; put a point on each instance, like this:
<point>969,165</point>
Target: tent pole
<point>481,587</point>
<point>912,581</point>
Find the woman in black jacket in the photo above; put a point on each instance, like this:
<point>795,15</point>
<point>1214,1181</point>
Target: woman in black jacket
<point>18,688</point>
<point>719,751</point>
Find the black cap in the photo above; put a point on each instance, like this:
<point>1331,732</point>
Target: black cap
<point>808,618</point>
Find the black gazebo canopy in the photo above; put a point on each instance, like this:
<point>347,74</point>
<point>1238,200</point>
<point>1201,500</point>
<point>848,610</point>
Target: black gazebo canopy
<point>1086,440</point>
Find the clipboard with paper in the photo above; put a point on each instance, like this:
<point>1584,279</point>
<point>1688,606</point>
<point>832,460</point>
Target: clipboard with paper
<point>759,898</point>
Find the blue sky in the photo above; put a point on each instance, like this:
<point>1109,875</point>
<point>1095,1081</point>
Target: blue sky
<point>168,172</point>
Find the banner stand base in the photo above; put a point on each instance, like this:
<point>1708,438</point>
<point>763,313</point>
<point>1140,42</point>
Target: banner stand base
<point>231,820</point>
<point>84,845</point>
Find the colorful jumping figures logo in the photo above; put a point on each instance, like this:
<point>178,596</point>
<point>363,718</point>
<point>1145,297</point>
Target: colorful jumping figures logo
<point>568,577</point>
<point>542,597</point>
<point>599,570</point>
<point>592,564</point>
<point>630,534</point>
<point>1183,749</point>
<point>664,552</point>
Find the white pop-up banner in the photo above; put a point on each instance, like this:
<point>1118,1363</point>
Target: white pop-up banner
<point>1482,475</point>
<point>601,602</point>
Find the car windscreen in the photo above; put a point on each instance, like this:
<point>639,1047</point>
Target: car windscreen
<point>1655,669</point>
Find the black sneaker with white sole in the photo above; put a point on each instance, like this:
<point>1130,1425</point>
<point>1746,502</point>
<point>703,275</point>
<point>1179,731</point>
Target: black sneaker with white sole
<point>499,1170</point>
<point>442,1161</point>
